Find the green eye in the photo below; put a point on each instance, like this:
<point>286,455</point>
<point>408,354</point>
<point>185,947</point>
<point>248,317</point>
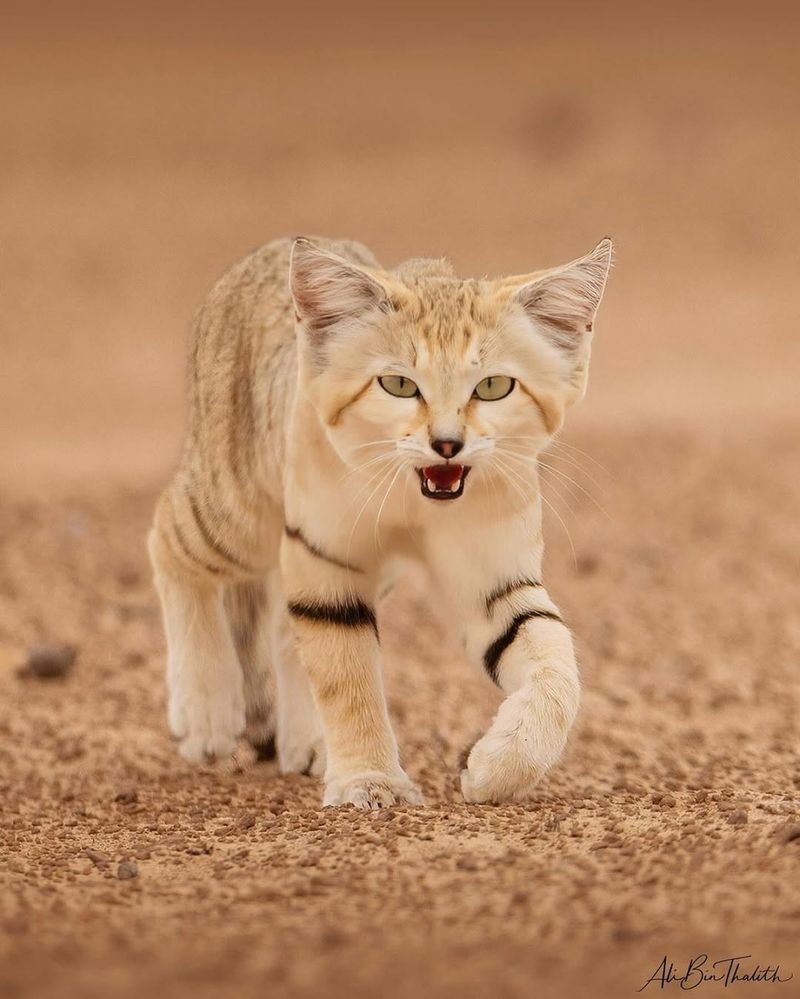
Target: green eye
<point>494,387</point>
<point>398,385</point>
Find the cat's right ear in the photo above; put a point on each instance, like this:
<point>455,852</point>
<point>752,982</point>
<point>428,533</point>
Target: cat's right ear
<point>328,290</point>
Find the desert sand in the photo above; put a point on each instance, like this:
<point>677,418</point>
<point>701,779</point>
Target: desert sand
<point>144,152</point>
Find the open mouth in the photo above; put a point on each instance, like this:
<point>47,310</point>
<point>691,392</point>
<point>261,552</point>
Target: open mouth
<point>443,482</point>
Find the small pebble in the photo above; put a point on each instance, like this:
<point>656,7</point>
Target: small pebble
<point>332,937</point>
<point>128,796</point>
<point>127,869</point>
<point>246,821</point>
<point>129,577</point>
<point>48,662</point>
<point>97,857</point>
<point>587,565</point>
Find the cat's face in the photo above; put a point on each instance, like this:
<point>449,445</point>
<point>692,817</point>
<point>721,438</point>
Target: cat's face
<point>456,384</point>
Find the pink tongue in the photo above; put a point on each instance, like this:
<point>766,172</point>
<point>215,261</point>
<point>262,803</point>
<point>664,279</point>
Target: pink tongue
<point>443,476</point>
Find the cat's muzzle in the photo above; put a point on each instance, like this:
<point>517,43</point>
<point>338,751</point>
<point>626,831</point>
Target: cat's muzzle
<point>443,482</point>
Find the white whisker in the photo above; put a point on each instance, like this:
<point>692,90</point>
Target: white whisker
<point>550,485</point>
<point>366,464</point>
<point>558,516</point>
<point>569,482</point>
<point>366,503</point>
<point>557,442</point>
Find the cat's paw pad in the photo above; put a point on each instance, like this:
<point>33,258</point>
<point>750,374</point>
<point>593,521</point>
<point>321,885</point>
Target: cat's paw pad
<point>372,790</point>
<point>214,724</point>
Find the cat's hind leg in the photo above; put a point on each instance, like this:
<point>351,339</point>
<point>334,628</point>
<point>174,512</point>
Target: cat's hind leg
<point>300,741</point>
<point>249,613</point>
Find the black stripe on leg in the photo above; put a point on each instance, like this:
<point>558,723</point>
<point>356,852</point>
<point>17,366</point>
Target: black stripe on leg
<point>190,555</point>
<point>505,589</point>
<point>297,535</point>
<point>493,654</point>
<point>349,614</point>
<point>205,531</point>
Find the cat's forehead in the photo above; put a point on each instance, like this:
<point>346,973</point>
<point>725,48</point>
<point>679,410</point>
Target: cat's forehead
<point>449,318</point>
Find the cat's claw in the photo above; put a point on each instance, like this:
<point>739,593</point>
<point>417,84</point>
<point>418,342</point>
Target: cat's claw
<point>372,790</point>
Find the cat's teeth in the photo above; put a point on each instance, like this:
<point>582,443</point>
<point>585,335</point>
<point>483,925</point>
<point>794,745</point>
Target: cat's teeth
<point>431,485</point>
<point>455,485</point>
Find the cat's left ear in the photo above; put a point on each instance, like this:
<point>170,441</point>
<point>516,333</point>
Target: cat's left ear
<point>565,300</point>
<point>563,303</point>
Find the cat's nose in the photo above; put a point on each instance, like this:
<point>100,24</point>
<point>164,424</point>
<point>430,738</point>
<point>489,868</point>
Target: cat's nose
<point>447,449</point>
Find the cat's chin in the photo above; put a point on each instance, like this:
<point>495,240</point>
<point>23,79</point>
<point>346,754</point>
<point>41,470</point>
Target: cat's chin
<point>443,482</point>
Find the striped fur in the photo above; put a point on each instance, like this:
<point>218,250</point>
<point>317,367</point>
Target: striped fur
<point>344,614</point>
<point>492,656</point>
<point>506,589</point>
<point>297,535</point>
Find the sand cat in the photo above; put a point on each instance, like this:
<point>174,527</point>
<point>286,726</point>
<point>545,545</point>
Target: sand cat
<point>345,416</point>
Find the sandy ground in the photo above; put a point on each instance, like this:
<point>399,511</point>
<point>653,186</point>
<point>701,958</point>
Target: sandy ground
<point>145,152</point>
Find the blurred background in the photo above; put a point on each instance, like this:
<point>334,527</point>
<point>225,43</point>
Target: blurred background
<point>147,147</point>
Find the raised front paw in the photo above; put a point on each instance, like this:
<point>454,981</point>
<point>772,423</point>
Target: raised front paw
<point>526,738</point>
<point>208,724</point>
<point>372,790</point>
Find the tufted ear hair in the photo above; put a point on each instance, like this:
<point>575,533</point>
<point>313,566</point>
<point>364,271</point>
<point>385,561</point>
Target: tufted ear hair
<point>327,289</point>
<point>563,302</point>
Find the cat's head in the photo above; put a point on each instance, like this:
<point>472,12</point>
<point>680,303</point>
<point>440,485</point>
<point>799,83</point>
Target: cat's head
<point>462,382</point>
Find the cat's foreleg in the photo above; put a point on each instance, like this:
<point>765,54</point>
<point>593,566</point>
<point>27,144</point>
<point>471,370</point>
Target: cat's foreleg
<point>206,691</point>
<point>517,634</point>
<point>331,610</point>
<point>192,572</point>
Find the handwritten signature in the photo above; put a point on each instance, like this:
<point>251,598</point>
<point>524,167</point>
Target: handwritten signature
<point>728,970</point>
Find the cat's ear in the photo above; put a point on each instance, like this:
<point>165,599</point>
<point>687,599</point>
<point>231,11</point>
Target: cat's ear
<point>563,302</point>
<point>328,290</point>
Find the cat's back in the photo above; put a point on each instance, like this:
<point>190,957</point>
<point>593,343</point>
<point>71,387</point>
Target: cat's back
<point>242,364</point>
<point>251,301</point>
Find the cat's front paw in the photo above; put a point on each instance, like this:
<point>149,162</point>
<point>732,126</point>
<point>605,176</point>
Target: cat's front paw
<point>208,723</point>
<point>372,790</point>
<point>500,769</point>
<point>526,738</point>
